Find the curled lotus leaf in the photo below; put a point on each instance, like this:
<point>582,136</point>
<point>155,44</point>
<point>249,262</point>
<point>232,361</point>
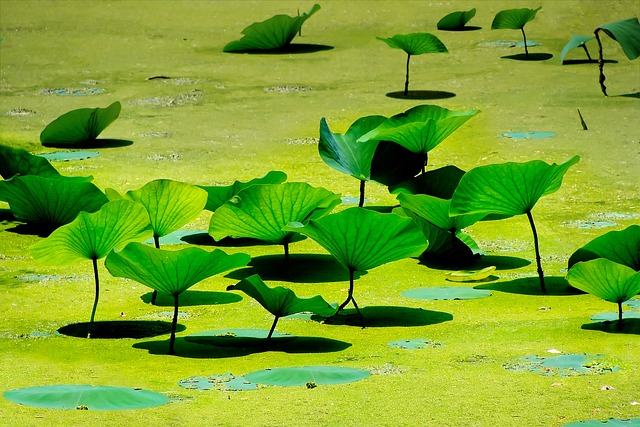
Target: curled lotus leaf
<point>513,19</point>
<point>79,126</point>
<point>627,34</point>
<point>605,279</point>
<point>440,183</point>
<point>15,161</point>
<point>456,20</point>
<point>621,246</point>
<point>218,195</point>
<point>576,41</point>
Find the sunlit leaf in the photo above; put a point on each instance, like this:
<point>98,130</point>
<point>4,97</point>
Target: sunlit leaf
<point>273,33</point>
<point>79,126</point>
<point>622,247</point>
<point>416,43</point>
<point>513,19</point>
<point>456,20</point>
<point>436,211</point>
<point>218,195</point>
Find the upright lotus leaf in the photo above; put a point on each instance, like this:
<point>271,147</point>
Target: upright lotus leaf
<point>627,34</point>
<point>415,44</point>
<point>622,247</point>
<point>79,126</point>
<point>456,21</point>
<point>15,161</point>
<point>218,195</point>
<point>172,272</point>
<point>606,279</point>
<point>509,189</point>
<point>441,183</point>
<point>436,212</point>
<point>261,211</point>
<point>361,240</point>
<point>419,129</point>
<point>281,301</point>
<point>93,236</point>
<point>50,201</point>
<point>515,19</point>
<point>274,33</point>
<point>576,41</point>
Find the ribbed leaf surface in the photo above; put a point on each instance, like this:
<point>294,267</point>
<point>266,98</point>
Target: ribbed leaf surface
<point>78,126</point>
<point>605,279</point>
<point>513,19</point>
<point>416,43</point>
<point>622,247</point>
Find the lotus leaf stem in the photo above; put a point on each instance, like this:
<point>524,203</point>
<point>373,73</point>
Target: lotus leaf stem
<point>619,315</point>
<point>154,295</point>
<point>95,300</point>
<point>601,63</point>
<point>273,328</point>
<point>526,49</point>
<point>350,298</point>
<point>535,243</point>
<point>362,185</point>
<point>286,252</point>
<point>584,46</point>
<point>174,324</point>
<point>406,82</point>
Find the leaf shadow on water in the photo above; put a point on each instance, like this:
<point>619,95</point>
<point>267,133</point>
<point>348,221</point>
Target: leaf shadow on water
<point>96,143</point>
<point>245,347</point>
<point>556,286</point>
<point>120,329</point>
<point>631,95</point>
<point>191,298</point>
<point>465,28</point>
<point>587,61</point>
<point>532,57</point>
<point>421,94</point>
<point>499,261</point>
<point>18,227</point>
<point>629,326</point>
<point>387,316</point>
<point>291,48</point>
<point>301,268</point>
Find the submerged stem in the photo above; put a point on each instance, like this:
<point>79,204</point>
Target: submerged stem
<point>538,261</point>
<point>154,295</point>
<point>601,63</point>
<point>406,82</point>
<point>174,324</point>
<point>526,49</point>
<point>362,185</point>
<point>95,300</point>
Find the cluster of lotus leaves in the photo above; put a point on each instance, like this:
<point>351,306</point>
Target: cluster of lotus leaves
<point>271,34</point>
<point>416,43</point>
<point>79,126</point>
<point>456,20</point>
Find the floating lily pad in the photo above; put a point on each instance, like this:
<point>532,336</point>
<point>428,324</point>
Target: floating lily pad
<point>587,224</point>
<point>64,156</point>
<point>84,91</point>
<point>101,398</point>
<point>415,343</point>
<point>611,422</point>
<point>446,293</point>
<point>470,275</point>
<point>302,375</point>
<point>527,135</point>
<point>224,382</point>
<point>614,316</point>
<point>633,303</point>
<point>563,365</point>
<point>237,337</point>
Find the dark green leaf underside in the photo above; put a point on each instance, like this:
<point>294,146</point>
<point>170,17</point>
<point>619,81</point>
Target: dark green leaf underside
<point>627,34</point>
<point>79,126</point>
<point>456,20</point>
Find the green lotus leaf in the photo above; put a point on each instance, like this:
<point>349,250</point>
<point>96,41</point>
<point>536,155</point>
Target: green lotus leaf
<point>261,211</point>
<point>416,43</point>
<point>622,247</point>
<point>576,41</point>
<point>79,126</point>
<point>436,211</point>
<point>50,201</point>
<point>273,33</point>
<point>15,161</point>
<point>606,279</point>
<point>419,129</point>
<point>361,239</point>
<point>306,375</point>
<point>509,189</point>
<point>171,204</point>
<point>513,19</point>
<point>281,301</point>
<point>456,20</point>
<point>440,183</point>
<point>218,195</point>
<point>627,34</point>
<point>171,272</point>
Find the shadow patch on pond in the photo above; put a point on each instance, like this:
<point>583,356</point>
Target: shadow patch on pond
<point>629,326</point>
<point>478,263</point>
<point>387,316</point>
<point>96,143</point>
<point>421,94</point>
<point>292,48</point>
<point>587,61</point>
<point>191,298</point>
<point>556,286</point>
<point>301,268</point>
<point>120,329</point>
<point>532,57</point>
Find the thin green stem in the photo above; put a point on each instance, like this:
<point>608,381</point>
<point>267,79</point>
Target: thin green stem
<point>95,300</point>
<point>154,295</point>
<point>362,185</point>
<point>526,49</point>
<point>538,261</point>
<point>273,328</point>
<point>174,324</point>
<point>601,63</point>
<point>406,81</point>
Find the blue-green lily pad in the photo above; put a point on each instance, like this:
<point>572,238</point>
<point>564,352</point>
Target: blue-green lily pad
<point>446,293</point>
<point>64,156</point>
<point>415,343</point>
<point>101,398</point>
<point>527,135</point>
<point>563,365</point>
<point>611,316</point>
<point>237,337</point>
<point>611,422</point>
<point>304,375</point>
<point>73,92</point>
<point>633,303</point>
<point>224,382</point>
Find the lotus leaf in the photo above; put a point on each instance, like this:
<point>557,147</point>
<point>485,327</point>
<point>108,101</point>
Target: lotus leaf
<point>274,33</point>
<point>456,20</point>
<point>611,422</point>
<point>470,275</point>
<point>509,189</point>
<point>261,211</point>
<point>50,201</point>
<point>419,129</point>
<point>515,19</point>
<point>93,236</point>
<point>415,44</point>
<point>220,194</point>
<point>446,293</point>
<point>627,34</point>
<point>622,247</point>
<point>79,126</point>
<point>14,161</point>
<point>172,272</point>
<point>361,240</point>
<point>281,301</point>
<point>576,41</point>
<point>440,183</point>
<point>304,375</point>
<point>606,279</point>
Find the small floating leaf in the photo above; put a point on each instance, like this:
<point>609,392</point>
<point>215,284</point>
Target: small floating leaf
<point>470,275</point>
<point>446,293</point>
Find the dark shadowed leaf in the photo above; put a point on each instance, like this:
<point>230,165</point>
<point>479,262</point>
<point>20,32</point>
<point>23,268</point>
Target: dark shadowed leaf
<point>78,126</point>
<point>14,161</point>
<point>218,195</point>
<point>439,183</point>
<point>416,43</point>
<point>627,34</point>
<point>622,247</point>
<point>513,19</point>
<point>456,20</point>
<point>436,211</point>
